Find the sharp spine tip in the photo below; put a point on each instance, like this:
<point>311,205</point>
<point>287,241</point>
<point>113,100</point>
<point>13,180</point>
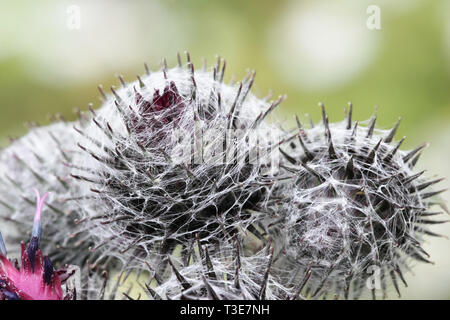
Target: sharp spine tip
<point>141,83</point>
<point>412,153</point>
<point>349,116</point>
<point>391,134</point>
<point>179,60</point>
<point>100,89</point>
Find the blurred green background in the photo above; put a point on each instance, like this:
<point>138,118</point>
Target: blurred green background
<point>53,54</point>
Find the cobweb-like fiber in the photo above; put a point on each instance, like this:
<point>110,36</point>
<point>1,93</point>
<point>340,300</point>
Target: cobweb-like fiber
<point>175,167</point>
<point>220,272</point>
<point>174,155</point>
<point>38,161</point>
<point>356,207</point>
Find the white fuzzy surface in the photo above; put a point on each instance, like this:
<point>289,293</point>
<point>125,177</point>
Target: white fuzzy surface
<point>251,269</point>
<point>153,178</point>
<point>36,161</point>
<point>327,228</point>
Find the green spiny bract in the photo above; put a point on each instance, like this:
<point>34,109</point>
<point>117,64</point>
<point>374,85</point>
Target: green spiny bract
<point>355,207</point>
<point>176,154</point>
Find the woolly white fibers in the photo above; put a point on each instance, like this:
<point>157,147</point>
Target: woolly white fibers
<point>176,154</point>
<point>222,272</point>
<point>39,161</point>
<point>355,207</point>
<point>176,166</point>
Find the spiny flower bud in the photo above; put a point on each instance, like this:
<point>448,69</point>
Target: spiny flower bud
<point>219,272</point>
<point>36,279</point>
<point>175,154</point>
<point>356,205</point>
<point>40,160</point>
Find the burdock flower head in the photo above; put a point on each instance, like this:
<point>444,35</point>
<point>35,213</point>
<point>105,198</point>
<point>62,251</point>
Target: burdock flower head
<point>175,155</point>
<point>36,279</point>
<point>40,160</point>
<point>357,209</point>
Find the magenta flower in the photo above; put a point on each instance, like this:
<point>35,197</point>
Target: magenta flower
<point>36,279</point>
<point>164,109</point>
